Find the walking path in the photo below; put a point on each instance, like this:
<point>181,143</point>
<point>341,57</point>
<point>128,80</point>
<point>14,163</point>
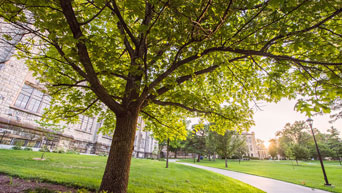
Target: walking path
<point>266,184</point>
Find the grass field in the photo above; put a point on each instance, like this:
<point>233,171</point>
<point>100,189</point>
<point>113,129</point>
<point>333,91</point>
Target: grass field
<point>145,175</point>
<point>307,173</point>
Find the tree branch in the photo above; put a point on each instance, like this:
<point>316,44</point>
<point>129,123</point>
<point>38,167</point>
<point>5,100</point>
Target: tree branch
<point>191,109</point>
<point>81,111</point>
<point>270,42</point>
<point>153,117</point>
<point>90,75</point>
<point>116,10</point>
<point>96,15</point>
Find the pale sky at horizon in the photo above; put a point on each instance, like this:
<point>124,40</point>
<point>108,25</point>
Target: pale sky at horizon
<point>274,116</point>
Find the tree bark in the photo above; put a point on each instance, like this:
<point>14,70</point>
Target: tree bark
<point>226,162</point>
<point>198,157</point>
<point>115,178</point>
<point>297,162</point>
<point>175,154</point>
<point>167,153</point>
<point>209,157</point>
<point>339,158</point>
<point>214,156</point>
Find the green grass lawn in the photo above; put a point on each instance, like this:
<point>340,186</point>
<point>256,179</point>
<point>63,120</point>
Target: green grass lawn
<point>145,175</point>
<point>308,173</point>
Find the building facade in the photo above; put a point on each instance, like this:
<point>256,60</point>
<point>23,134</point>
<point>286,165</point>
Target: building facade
<point>22,102</point>
<point>252,150</point>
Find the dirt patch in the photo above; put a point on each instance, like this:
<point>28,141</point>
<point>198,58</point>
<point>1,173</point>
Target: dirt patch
<point>38,159</point>
<point>16,185</point>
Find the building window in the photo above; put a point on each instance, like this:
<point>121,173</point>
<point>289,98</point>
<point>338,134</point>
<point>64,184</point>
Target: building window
<point>32,100</point>
<point>86,123</point>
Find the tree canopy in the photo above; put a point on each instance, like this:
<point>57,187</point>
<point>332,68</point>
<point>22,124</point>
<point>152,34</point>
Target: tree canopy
<point>169,51</point>
<point>195,58</point>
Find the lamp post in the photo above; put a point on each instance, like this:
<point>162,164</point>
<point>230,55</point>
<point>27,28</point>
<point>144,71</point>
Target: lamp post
<point>310,121</point>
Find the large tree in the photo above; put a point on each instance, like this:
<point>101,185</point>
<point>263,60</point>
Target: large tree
<point>273,148</point>
<point>335,143</point>
<point>126,58</point>
<point>228,144</point>
<point>294,140</point>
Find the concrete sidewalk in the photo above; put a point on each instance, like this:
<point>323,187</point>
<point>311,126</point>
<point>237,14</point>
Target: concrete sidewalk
<point>266,184</point>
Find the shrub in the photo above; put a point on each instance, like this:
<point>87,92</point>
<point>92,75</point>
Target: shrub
<point>39,190</point>
<point>102,154</point>
<point>28,149</point>
<point>59,150</point>
<point>17,147</point>
<point>72,152</point>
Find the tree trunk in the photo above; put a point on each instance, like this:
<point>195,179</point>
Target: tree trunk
<point>239,160</point>
<point>226,162</point>
<point>297,162</point>
<point>42,155</point>
<point>167,153</point>
<point>209,157</point>
<point>214,156</point>
<point>339,158</point>
<point>159,151</point>
<point>175,154</point>
<point>199,158</point>
<point>115,177</point>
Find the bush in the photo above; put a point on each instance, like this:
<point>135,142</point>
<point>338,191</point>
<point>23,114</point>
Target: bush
<point>59,150</point>
<point>72,152</point>
<point>17,147</point>
<point>102,154</point>
<point>254,158</point>
<point>28,149</point>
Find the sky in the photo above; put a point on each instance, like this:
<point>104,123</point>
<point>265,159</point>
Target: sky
<point>274,116</point>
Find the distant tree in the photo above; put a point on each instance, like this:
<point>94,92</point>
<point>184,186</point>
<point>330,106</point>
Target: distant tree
<point>169,133</point>
<point>196,141</point>
<point>211,144</point>
<point>293,134</point>
<point>335,143</point>
<point>241,150</point>
<point>48,134</point>
<point>324,150</point>
<point>260,145</point>
<point>228,143</point>
<point>272,148</point>
<point>296,132</point>
<point>283,146</point>
<point>176,145</point>
<point>161,145</point>
<point>299,152</point>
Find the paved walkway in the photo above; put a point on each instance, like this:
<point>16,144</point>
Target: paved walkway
<point>266,184</point>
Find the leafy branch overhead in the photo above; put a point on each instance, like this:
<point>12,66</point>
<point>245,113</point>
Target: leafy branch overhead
<point>185,57</point>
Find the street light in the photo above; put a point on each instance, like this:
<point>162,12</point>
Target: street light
<point>310,121</point>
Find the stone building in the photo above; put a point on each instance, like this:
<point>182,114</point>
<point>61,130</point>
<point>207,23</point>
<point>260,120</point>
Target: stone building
<point>251,144</point>
<point>22,102</point>
<point>145,146</point>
